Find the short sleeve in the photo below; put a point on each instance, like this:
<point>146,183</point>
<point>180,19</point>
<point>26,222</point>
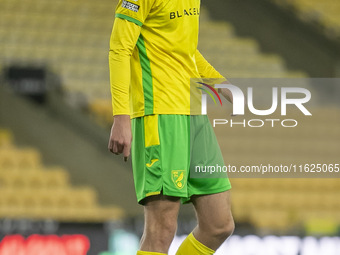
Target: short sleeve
<point>135,11</point>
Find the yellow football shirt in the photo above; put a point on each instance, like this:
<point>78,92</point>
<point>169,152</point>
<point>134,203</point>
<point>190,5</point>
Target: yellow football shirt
<point>153,55</point>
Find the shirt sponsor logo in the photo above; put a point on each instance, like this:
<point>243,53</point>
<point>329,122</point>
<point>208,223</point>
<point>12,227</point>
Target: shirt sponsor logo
<point>130,6</point>
<point>185,12</point>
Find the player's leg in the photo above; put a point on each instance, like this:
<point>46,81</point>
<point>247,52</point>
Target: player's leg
<point>215,221</point>
<point>208,193</point>
<point>160,213</point>
<point>160,160</point>
<point>215,224</point>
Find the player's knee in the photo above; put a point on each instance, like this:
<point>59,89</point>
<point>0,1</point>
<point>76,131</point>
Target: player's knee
<point>166,234</point>
<point>161,238</point>
<point>162,232</point>
<point>168,227</point>
<point>227,229</point>
<point>222,229</point>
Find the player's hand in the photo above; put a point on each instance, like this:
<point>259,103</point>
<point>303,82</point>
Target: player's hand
<point>226,92</point>
<point>121,137</point>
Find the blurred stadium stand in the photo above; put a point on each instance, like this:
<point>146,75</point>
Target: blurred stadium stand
<point>70,37</point>
<point>276,203</point>
<point>31,190</point>
<point>250,39</point>
<point>281,26</point>
<point>66,137</point>
<point>326,13</point>
<point>73,39</point>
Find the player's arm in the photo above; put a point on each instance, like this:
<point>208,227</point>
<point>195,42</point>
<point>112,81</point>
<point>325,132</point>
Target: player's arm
<point>122,42</point>
<point>206,70</point>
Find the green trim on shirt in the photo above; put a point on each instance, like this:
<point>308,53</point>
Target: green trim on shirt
<point>146,77</point>
<point>122,16</point>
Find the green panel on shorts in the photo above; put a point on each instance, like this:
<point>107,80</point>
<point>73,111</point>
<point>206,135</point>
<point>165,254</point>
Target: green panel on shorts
<point>204,151</point>
<point>184,141</point>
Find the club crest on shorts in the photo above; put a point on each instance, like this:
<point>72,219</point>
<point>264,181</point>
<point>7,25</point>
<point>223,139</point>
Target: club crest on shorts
<point>177,176</point>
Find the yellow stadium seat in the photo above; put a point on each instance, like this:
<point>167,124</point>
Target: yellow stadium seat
<point>111,213</point>
<point>324,226</point>
<point>29,190</point>
<point>8,158</point>
<point>29,158</point>
<point>56,178</point>
<point>13,203</point>
<point>271,219</point>
<point>6,138</point>
<point>12,158</point>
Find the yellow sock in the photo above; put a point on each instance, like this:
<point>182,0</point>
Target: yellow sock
<point>149,253</point>
<point>191,246</point>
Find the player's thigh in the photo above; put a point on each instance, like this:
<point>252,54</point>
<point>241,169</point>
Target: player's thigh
<point>214,211</point>
<point>161,213</point>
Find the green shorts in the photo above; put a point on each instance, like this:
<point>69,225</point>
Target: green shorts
<point>165,148</point>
